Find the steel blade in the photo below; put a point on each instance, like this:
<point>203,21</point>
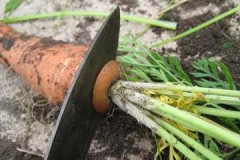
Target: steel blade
<point>77,120</point>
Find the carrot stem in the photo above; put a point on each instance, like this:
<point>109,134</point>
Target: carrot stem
<point>217,112</point>
<point>194,121</point>
<point>179,87</point>
<point>190,141</point>
<point>197,28</point>
<point>147,21</point>
<point>142,118</point>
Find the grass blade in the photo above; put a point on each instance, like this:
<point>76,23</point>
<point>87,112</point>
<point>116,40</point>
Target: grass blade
<point>197,28</point>
<point>141,20</point>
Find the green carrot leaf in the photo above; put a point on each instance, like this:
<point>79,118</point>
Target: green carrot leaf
<point>156,67</point>
<point>175,67</point>
<point>212,74</point>
<point>211,144</point>
<point>141,74</point>
<point>228,76</point>
<point>12,5</point>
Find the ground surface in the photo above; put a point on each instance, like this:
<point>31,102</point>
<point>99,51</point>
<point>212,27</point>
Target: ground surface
<point>119,136</point>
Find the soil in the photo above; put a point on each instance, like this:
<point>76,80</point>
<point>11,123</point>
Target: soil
<point>120,136</point>
<point>117,132</point>
<point>9,152</point>
<point>213,41</point>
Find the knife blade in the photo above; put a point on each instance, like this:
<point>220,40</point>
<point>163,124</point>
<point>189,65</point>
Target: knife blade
<point>77,120</point>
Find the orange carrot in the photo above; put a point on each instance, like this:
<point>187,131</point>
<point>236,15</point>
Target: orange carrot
<point>109,73</point>
<point>48,66</point>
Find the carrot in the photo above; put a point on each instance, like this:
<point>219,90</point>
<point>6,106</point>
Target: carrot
<point>48,66</point>
<point>109,73</point>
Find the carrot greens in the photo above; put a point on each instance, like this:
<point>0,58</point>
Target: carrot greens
<point>132,18</point>
<point>209,73</point>
<point>12,5</point>
<point>171,104</point>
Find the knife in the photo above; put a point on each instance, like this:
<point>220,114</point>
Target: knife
<point>77,120</point>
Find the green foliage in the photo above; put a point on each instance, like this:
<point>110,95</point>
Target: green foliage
<point>139,73</point>
<point>95,14</point>
<point>238,156</point>
<point>12,5</point>
<point>144,64</point>
<point>211,144</point>
<point>176,68</point>
<point>212,74</point>
<point>227,45</point>
<point>233,124</point>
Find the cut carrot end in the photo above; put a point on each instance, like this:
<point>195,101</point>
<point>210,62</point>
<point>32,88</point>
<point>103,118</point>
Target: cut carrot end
<point>109,73</point>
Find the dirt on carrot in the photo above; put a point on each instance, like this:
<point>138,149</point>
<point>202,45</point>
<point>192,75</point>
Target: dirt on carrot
<point>47,66</point>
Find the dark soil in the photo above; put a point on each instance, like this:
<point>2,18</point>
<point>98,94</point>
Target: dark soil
<point>114,132</point>
<point>210,42</point>
<point>213,41</point>
<point>8,151</point>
